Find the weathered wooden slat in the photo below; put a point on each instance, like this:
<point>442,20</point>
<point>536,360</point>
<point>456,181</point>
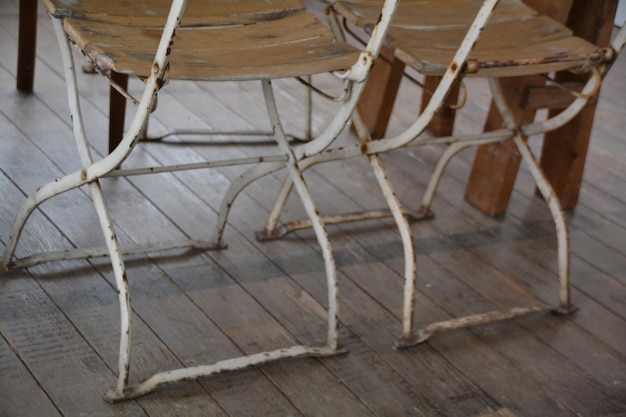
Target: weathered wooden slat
<point>515,42</point>
<point>496,36</point>
<point>154,12</point>
<point>505,63</point>
<point>432,14</point>
<point>291,46</point>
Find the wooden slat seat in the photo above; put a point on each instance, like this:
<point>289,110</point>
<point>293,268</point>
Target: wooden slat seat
<point>296,45</point>
<point>154,12</point>
<point>516,41</point>
<point>431,14</point>
<point>278,37</point>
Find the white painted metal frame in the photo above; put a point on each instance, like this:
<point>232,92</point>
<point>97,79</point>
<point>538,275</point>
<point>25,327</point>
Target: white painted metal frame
<point>290,157</point>
<point>455,144</point>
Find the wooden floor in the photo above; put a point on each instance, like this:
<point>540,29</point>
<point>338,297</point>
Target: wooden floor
<point>59,321</point>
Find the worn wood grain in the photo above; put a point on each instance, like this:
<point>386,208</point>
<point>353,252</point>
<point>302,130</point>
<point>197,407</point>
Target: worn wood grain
<point>292,46</point>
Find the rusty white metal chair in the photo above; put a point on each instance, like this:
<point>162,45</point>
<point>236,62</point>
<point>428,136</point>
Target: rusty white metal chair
<point>455,39</point>
<point>283,41</point>
<point>151,14</point>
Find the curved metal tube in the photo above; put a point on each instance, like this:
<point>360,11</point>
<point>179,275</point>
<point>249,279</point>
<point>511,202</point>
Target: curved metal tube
<point>548,194</point>
<point>320,232</point>
<point>236,187</point>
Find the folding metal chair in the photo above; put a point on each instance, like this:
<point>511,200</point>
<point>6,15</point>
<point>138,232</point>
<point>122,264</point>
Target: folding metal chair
<point>454,39</point>
<point>152,14</point>
<point>241,43</point>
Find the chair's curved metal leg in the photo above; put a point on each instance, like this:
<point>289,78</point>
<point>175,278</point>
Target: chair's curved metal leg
<point>320,232</point>
<point>446,156</point>
<point>102,210</point>
<point>121,282</point>
<point>552,200</point>
<point>437,173</point>
<point>549,196</point>
<point>400,219</point>
<point>410,260</point>
<point>270,230</point>
<point>404,228</point>
<point>236,187</point>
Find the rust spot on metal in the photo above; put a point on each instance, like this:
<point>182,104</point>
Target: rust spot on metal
<point>364,148</point>
<point>83,174</point>
<point>454,67</point>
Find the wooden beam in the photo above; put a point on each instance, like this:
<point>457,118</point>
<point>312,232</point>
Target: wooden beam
<point>490,188</point>
<point>377,99</point>
<point>26,45</point>
<point>549,96</point>
<point>495,166</point>
<point>565,150</point>
<point>117,111</point>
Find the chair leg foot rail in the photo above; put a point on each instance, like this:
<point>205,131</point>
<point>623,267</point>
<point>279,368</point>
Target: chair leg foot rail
<point>289,227</point>
<point>423,334</point>
<point>186,374</point>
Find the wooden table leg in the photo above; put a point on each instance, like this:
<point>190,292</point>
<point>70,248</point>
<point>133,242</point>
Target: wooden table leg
<point>117,111</point>
<point>26,45</point>
<point>26,70</point>
<point>380,93</point>
<point>565,149</point>
<point>495,166</point>
<point>443,123</point>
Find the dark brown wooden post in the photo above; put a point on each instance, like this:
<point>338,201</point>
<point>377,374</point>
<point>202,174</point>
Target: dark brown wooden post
<point>495,166</point>
<point>443,123</point>
<point>377,99</point>
<point>27,43</point>
<point>117,111</point>
<point>565,149</point>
